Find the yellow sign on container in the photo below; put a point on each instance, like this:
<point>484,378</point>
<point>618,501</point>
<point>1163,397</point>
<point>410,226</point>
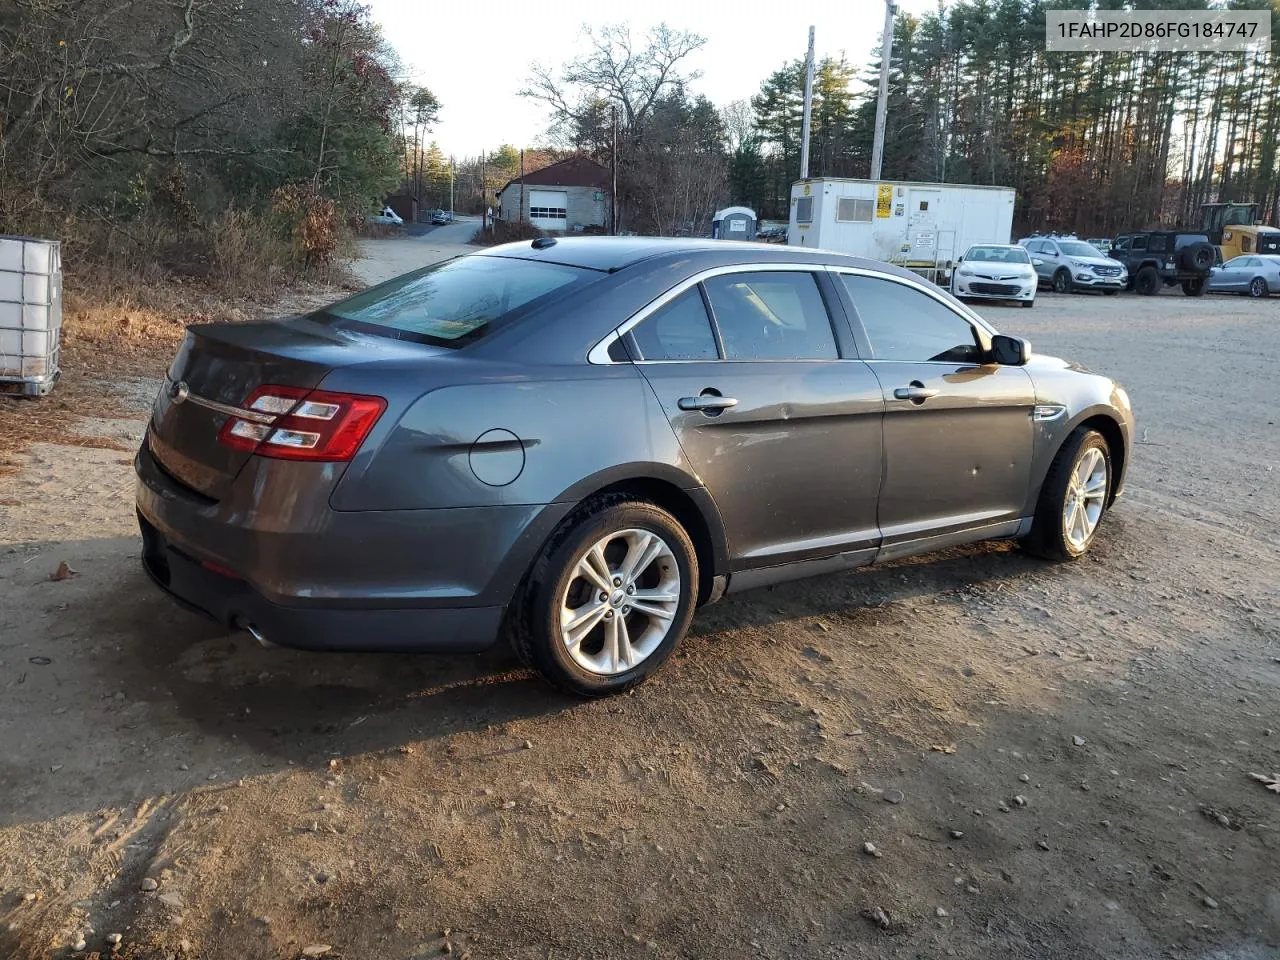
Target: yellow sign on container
<point>884,200</point>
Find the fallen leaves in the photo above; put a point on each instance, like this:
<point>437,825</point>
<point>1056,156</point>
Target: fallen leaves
<point>64,572</point>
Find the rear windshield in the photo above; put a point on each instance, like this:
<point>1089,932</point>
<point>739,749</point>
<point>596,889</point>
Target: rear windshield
<point>456,302</point>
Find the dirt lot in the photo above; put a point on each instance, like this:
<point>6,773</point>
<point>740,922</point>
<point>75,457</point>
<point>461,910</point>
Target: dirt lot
<point>1050,761</point>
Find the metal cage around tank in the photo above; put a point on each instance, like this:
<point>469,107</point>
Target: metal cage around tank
<point>30,314</point>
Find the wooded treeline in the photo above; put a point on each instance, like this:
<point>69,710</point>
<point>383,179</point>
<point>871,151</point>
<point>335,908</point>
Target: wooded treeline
<point>160,126</point>
<point>1095,143</point>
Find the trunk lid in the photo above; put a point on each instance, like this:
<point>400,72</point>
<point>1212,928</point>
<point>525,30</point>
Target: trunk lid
<point>224,364</point>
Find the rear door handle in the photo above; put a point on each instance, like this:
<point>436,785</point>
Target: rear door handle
<point>706,402</point>
<point>916,392</point>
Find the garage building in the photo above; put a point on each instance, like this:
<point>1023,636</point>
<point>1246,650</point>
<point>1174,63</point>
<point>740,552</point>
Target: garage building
<point>566,196</point>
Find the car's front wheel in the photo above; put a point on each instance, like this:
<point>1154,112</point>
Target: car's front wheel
<point>610,598</point>
<point>1073,498</point>
<point>1062,282</point>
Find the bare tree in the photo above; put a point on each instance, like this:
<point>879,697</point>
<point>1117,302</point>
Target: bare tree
<point>616,72</point>
<point>739,119</point>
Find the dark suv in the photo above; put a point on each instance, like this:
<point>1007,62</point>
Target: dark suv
<point>1156,257</point>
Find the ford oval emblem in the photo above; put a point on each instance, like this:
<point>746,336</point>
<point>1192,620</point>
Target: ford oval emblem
<point>179,391</point>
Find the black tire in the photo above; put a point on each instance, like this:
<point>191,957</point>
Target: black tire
<point>534,621</point>
<point>1028,304</point>
<point>1110,293</point>
<point>1258,287</point>
<point>1196,257</point>
<point>1147,282</point>
<point>1062,282</point>
<point>1195,288</point>
<point>1048,536</point>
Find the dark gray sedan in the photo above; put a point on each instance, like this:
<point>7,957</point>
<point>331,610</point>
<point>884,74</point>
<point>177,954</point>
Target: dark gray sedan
<point>576,442</point>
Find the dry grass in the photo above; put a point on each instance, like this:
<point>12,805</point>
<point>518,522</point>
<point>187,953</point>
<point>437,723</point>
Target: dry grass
<point>116,327</point>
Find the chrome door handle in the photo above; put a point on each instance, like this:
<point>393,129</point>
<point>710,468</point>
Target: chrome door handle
<point>706,402</point>
<point>916,392</point>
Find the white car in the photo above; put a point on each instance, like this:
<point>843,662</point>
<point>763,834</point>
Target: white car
<point>995,271</point>
<point>387,217</point>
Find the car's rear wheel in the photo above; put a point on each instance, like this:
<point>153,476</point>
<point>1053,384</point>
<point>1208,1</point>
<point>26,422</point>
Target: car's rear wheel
<point>1073,498</point>
<point>610,598</point>
<point>1258,287</point>
<point>1062,281</point>
<point>1147,282</point>
<point>1028,304</point>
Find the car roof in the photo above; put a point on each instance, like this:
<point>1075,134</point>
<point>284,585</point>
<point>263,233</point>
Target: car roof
<point>612,254</point>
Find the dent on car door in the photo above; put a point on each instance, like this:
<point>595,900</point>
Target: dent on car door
<point>783,432</point>
<point>958,438</point>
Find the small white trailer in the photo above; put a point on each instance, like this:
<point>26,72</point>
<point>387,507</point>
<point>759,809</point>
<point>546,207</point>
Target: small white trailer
<point>920,226</point>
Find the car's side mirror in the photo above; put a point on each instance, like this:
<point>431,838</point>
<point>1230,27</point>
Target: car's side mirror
<point>959,259</point>
<point>1010,351</point>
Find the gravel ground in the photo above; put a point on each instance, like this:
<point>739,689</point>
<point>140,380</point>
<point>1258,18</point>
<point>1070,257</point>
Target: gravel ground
<point>971,754</point>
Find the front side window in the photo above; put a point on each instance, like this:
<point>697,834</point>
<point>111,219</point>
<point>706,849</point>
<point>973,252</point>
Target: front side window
<point>771,315</point>
<point>904,323</point>
<point>679,330</point>
<point>456,302</point>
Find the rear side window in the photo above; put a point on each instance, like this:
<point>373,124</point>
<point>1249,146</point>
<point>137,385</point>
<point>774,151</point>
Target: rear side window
<point>771,315</point>
<point>681,330</point>
<point>903,323</point>
<point>456,302</point>
<point>1139,243</point>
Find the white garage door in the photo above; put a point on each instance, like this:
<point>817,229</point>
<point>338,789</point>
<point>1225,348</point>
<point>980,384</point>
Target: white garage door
<point>548,209</point>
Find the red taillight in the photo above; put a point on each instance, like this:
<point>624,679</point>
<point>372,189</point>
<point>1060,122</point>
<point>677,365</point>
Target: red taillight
<point>308,424</point>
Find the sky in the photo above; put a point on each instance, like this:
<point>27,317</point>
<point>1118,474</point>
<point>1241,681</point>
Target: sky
<point>474,57</point>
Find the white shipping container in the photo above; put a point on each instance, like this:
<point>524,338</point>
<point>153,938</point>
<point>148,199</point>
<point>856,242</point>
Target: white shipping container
<point>921,226</point>
<point>30,314</point>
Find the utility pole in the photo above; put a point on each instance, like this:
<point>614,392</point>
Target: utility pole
<point>808,111</point>
<point>484,194</point>
<point>452,171</point>
<point>882,101</point>
<point>521,218</point>
<point>613,174</point>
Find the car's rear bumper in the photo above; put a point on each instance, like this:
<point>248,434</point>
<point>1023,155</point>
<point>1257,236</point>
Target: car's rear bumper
<point>315,578</point>
<point>235,604</point>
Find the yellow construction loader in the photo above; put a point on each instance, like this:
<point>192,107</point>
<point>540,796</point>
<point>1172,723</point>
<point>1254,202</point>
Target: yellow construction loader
<point>1234,229</point>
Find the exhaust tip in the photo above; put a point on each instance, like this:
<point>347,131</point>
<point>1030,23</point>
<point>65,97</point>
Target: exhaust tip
<point>254,632</point>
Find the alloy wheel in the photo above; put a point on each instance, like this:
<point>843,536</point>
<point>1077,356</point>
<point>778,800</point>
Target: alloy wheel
<point>620,601</point>
<point>1086,498</point>
<point>1258,287</point>
<point>1061,282</point>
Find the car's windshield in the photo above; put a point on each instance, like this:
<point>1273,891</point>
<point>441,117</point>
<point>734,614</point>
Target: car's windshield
<point>454,303</point>
<point>998,254</point>
<point>1074,248</point>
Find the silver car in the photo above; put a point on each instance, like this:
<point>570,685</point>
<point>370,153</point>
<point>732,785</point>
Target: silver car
<point>995,271</point>
<point>1068,264</point>
<point>1256,274</point>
